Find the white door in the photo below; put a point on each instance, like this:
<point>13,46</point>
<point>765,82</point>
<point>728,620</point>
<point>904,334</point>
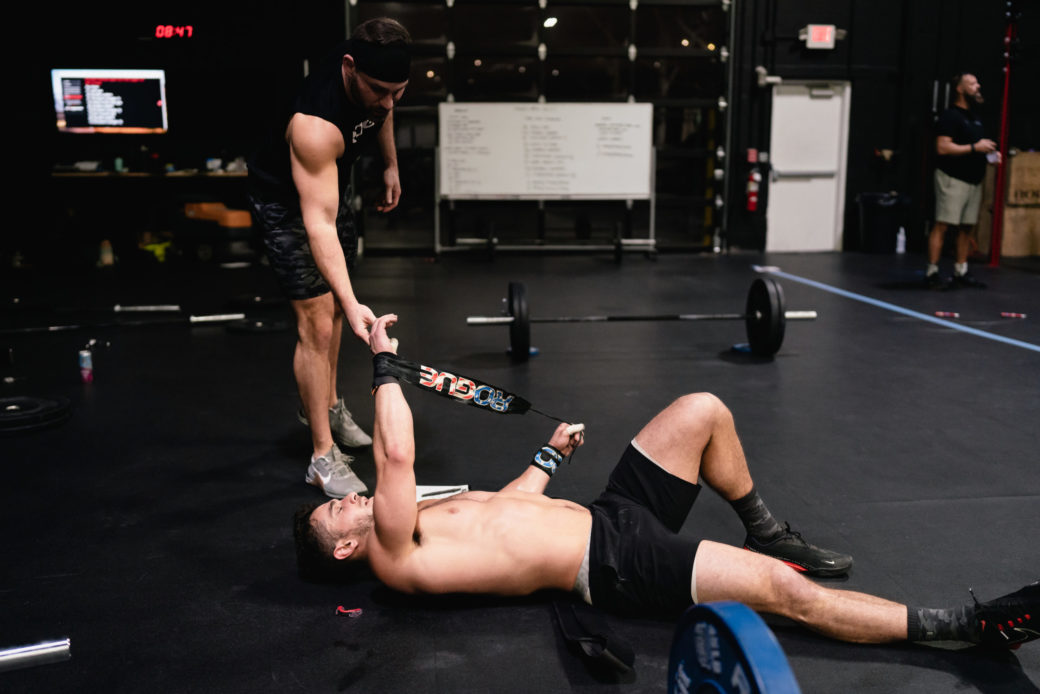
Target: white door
<point>809,136</point>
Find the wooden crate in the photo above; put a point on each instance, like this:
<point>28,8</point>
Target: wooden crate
<point>1024,179</point>
<point>1021,234</point>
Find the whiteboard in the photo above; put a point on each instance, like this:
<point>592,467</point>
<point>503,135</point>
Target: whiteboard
<point>564,151</point>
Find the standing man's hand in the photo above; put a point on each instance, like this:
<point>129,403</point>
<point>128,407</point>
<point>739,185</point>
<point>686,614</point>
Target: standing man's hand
<point>392,184</point>
<point>380,341</point>
<point>985,145</point>
<point>360,318</point>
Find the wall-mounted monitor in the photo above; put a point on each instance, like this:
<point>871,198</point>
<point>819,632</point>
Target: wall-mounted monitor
<point>110,101</point>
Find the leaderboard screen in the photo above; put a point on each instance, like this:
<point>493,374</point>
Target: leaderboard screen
<point>110,101</point>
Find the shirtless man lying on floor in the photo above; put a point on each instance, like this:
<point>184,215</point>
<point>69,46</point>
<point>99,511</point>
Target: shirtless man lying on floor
<point>623,552</point>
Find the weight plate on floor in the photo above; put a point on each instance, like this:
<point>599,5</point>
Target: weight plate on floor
<point>722,647</point>
<point>520,328</point>
<point>21,413</point>
<point>765,317</point>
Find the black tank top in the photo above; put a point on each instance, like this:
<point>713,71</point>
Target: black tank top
<point>323,95</point>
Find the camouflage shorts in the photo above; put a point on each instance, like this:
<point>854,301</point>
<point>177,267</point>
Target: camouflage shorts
<point>289,251</point>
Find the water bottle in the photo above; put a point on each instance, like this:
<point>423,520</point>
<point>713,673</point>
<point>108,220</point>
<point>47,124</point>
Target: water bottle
<point>86,366</point>
<point>901,241</point>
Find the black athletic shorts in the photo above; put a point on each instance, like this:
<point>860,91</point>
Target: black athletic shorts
<point>288,250</point>
<point>638,563</point>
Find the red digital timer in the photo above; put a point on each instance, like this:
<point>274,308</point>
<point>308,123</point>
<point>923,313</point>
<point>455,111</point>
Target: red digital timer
<point>169,31</point>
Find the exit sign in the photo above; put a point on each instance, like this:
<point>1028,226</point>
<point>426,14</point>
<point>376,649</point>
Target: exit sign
<point>820,36</point>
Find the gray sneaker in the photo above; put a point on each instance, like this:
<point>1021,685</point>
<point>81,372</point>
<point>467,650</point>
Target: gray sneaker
<point>332,474</point>
<point>344,429</point>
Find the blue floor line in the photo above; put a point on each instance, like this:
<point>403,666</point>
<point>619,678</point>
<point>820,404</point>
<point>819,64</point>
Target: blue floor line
<point>899,309</point>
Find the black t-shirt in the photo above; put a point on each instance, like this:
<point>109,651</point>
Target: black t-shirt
<point>323,95</point>
<point>964,128</point>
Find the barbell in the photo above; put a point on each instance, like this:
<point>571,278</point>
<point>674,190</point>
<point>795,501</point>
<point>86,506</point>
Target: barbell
<point>764,317</point>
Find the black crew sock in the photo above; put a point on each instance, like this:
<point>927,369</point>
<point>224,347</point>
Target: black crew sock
<point>756,517</point>
<point>953,624</point>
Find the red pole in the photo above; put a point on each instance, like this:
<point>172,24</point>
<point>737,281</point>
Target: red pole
<point>998,192</point>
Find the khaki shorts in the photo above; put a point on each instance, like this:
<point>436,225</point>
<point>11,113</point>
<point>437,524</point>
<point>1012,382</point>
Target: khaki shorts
<point>956,202</point>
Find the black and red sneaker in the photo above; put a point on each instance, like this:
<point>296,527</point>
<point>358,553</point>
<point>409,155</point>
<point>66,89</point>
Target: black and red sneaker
<point>1010,621</point>
<point>793,550</point>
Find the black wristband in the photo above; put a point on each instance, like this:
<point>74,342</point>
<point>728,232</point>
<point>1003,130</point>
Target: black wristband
<point>547,459</point>
<point>972,145</point>
<point>382,370</point>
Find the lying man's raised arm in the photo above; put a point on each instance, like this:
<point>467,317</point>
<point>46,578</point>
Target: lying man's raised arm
<point>393,447</point>
<point>544,461</point>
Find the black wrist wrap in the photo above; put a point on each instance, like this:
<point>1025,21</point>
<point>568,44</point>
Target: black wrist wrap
<point>383,370</point>
<point>547,458</point>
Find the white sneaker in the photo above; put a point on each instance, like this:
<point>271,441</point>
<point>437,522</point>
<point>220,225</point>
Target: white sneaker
<point>332,474</point>
<point>344,429</point>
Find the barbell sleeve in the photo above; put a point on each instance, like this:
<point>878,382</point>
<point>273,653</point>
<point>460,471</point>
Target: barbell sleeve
<point>35,654</point>
<point>217,318</point>
<point>489,320</point>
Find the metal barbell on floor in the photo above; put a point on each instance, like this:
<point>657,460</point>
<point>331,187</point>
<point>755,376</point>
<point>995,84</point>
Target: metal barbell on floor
<point>764,317</point>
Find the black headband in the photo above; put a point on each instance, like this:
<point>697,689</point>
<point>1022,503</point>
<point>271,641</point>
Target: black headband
<point>387,62</point>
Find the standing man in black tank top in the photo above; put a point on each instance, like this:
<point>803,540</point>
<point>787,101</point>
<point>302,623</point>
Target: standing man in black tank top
<point>299,190</point>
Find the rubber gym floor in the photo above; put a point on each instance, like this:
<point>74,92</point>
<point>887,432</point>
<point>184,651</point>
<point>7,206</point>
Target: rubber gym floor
<point>152,528</point>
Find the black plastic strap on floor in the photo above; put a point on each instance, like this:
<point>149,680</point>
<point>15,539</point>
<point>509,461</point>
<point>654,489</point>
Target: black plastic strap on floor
<point>584,628</point>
